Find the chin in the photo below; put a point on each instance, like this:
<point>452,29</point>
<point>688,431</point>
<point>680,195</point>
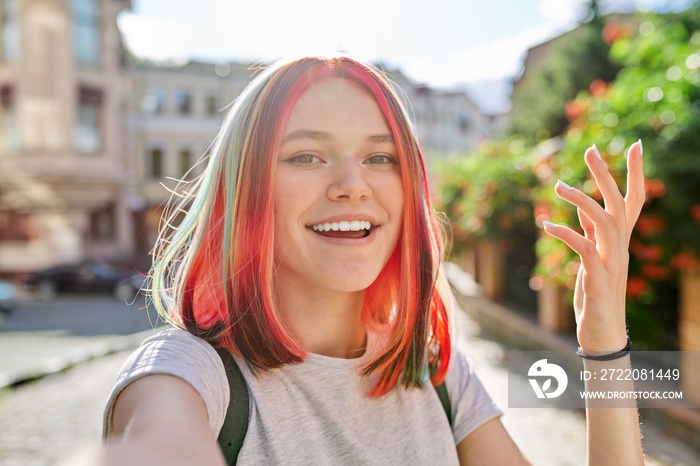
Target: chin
<point>349,284</point>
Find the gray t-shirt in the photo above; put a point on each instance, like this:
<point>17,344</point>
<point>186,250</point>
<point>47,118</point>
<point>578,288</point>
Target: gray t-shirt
<point>318,412</point>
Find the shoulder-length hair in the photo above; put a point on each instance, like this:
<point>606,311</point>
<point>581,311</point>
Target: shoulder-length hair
<point>213,274</point>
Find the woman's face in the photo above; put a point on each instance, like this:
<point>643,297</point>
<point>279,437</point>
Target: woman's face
<point>338,193</point>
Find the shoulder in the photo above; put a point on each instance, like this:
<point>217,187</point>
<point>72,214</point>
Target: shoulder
<point>178,353</point>
<point>470,402</point>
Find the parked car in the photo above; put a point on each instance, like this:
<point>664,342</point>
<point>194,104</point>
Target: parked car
<point>85,277</point>
<point>9,297</point>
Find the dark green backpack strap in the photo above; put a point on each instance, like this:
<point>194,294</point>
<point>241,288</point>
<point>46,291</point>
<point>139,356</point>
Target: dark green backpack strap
<point>238,413</point>
<point>445,400</point>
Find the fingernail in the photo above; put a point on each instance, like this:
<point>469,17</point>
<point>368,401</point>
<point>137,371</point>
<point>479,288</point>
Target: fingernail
<point>563,185</point>
<point>596,152</point>
<point>549,224</point>
<point>641,147</point>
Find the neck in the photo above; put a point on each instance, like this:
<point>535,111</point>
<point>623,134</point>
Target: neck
<point>327,323</point>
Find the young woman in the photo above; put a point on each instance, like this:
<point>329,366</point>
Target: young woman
<point>310,251</point>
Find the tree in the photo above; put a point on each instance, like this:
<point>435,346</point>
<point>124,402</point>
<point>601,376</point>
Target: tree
<point>573,61</point>
<point>655,97</point>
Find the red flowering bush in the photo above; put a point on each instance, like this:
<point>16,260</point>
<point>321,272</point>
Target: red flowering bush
<point>655,97</point>
<point>487,193</point>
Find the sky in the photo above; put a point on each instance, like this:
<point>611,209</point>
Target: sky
<point>475,45</point>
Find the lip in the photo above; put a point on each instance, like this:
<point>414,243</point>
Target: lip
<point>336,241</point>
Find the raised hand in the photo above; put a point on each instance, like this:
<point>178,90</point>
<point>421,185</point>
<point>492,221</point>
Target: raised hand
<point>599,296</point>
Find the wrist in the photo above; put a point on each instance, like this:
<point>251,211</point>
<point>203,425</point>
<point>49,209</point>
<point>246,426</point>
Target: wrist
<point>606,355</point>
<point>603,342</point>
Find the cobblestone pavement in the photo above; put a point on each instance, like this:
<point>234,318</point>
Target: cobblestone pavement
<point>45,337</point>
<point>44,421</point>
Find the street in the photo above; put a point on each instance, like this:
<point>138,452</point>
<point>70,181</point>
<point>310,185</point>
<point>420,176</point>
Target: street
<point>39,336</point>
<point>44,421</point>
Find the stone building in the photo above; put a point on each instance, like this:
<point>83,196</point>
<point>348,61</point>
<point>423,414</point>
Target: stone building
<point>90,141</point>
<point>448,122</point>
<point>62,140</point>
<point>175,111</point>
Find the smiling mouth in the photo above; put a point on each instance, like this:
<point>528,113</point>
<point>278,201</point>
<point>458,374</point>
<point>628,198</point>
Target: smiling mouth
<point>355,229</point>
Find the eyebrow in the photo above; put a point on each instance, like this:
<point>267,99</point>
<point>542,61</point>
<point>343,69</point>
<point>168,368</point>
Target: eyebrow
<point>378,138</point>
<point>323,136</point>
<point>306,134</point>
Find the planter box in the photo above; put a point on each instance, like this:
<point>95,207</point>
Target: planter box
<point>467,261</point>
<point>554,311</point>
<point>689,333</point>
<point>489,269</point>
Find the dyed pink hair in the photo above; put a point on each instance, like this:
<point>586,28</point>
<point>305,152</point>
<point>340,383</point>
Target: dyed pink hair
<point>224,287</point>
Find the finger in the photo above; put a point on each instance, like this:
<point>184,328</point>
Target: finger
<point>614,203</point>
<point>586,249</point>
<point>587,225</point>
<point>607,237</point>
<point>635,196</point>
<point>579,294</point>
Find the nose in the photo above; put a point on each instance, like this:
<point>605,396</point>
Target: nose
<point>349,182</point>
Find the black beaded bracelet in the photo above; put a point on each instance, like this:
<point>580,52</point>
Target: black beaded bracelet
<point>608,357</point>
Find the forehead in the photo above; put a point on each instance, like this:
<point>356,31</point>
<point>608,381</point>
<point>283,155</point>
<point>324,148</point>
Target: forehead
<point>337,104</point>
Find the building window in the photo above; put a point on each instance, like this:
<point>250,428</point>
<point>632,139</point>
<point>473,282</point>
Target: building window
<point>463,123</point>
<point>86,31</point>
<point>153,102</point>
<point>212,105</point>
<point>10,31</point>
<point>185,156</point>
<point>88,134</point>
<point>155,161</point>
<point>183,101</point>
<point>18,226</point>
<point>8,120</point>
<point>102,224</point>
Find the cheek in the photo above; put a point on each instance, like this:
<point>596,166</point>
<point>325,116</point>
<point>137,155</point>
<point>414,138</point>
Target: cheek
<point>395,198</point>
<point>290,201</point>
<point>283,199</point>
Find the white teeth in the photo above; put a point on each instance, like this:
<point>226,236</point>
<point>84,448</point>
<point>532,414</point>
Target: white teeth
<point>344,225</point>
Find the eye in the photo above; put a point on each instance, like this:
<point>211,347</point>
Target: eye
<point>304,159</point>
<point>381,159</point>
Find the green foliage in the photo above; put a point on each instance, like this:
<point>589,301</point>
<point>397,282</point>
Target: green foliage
<point>506,187</point>
<point>574,60</point>
<point>487,193</point>
<point>655,97</point>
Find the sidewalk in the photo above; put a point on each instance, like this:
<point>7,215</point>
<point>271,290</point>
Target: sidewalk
<point>30,356</point>
<point>547,436</point>
<point>45,337</point>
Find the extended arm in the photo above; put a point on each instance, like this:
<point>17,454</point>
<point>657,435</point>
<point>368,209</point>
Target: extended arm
<point>490,443</point>
<point>158,420</point>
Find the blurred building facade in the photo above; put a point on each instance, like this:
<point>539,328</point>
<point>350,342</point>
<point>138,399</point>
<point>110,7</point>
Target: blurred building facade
<point>175,111</point>
<point>62,140</point>
<point>448,122</point>
<point>91,140</point>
